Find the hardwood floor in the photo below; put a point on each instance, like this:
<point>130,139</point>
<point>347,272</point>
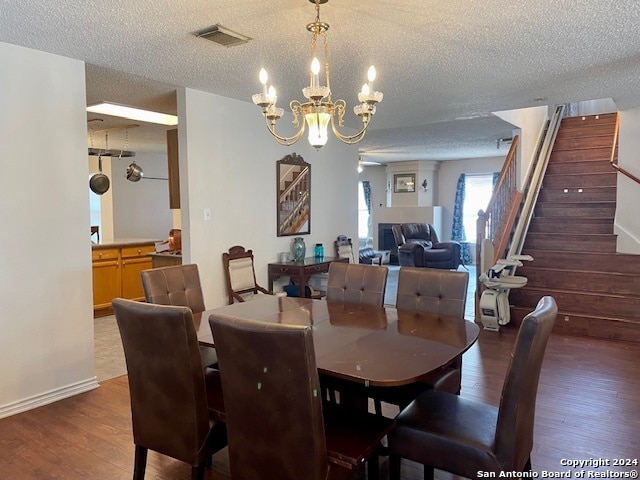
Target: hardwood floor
<point>587,408</point>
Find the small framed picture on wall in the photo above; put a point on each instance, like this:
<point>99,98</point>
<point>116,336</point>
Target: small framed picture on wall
<point>404,182</point>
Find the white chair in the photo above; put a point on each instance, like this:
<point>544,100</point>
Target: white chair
<point>344,248</point>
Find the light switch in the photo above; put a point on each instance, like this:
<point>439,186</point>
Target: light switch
<point>207,214</point>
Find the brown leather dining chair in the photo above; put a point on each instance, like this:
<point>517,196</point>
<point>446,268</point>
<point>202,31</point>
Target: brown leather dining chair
<point>178,285</point>
<point>356,283</point>
<point>240,275</point>
<point>169,410</point>
<point>277,425</point>
<point>443,292</point>
<point>464,436</point>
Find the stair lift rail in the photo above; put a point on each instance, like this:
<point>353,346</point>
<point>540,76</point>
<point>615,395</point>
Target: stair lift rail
<point>535,183</point>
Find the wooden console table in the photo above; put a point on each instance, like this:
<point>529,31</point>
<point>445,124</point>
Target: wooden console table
<point>300,272</point>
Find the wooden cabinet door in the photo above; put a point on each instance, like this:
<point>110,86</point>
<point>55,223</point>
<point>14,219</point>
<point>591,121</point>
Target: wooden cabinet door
<point>134,260</point>
<point>106,283</point>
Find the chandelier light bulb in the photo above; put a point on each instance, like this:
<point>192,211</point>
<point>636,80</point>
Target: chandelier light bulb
<point>271,95</point>
<point>315,69</point>
<point>263,80</point>
<point>365,89</point>
<point>263,76</point>
<point>371,76</point>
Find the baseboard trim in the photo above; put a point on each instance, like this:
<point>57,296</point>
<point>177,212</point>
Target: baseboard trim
<point>48,397</point>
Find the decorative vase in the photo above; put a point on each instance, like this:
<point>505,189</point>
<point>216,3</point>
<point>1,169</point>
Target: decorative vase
<point>319,250</point>
<point>299,249</point>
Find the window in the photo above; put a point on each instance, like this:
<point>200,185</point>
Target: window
<point>477,193</point>
<point>363,213</point>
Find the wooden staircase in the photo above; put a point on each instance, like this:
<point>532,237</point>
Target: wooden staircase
<point>572,242</point>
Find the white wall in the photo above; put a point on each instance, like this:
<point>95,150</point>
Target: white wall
<point>530,123</point>
<point>627,222</point>
<point>46,324</point>
<point>449,173</point>
<point>141,209</point>
<point>228,164</point>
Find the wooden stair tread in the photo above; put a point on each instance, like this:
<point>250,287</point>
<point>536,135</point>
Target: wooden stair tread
<point>548,291</point>
<point>529,266</point>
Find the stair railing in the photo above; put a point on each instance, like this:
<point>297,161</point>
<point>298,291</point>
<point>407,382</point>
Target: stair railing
<point>294,202</point>
<point>496,223</point>
<point>614,154</point>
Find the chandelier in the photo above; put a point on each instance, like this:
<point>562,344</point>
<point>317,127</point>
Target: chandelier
<point>319,110</point>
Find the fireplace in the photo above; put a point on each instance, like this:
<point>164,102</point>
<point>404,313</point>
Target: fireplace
<point>387,242</point>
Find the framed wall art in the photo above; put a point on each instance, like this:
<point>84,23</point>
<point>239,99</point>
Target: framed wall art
<point>404,182</point>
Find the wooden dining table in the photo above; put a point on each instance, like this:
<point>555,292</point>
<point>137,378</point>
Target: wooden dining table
<point>376,346</point>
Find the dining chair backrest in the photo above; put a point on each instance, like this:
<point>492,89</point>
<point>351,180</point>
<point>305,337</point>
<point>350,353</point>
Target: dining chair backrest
<point>344,248</point>
<point>514,431</point>
<point>357,283</point>
<point>240,274</point>
<point>432,290</point>
<point>177,285</point>
<point>168,401</point>
<point>272,399</point>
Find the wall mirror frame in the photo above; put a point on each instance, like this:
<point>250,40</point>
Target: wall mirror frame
<point>293,203</point>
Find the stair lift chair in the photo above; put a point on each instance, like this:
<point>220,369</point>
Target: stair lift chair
<point>499,280</point>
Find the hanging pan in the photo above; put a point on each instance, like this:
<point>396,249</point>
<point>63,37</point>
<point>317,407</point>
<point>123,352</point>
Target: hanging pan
<point>134,172</point>
<point>99,182</point>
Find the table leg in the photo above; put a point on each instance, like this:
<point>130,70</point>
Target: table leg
<point>302,282</point>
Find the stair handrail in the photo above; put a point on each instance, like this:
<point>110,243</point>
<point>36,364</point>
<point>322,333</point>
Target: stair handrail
<point>614,157</point>
<point>492,223</point>
<point>295,213</point>
<point>534,182</point>
<point>300,178</point>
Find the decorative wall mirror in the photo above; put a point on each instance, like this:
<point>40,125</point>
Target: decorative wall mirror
<point>293,175</point>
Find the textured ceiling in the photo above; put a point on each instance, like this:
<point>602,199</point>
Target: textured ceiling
<point>443,66</point>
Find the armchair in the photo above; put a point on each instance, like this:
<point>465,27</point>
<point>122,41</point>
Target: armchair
<point>418,246</point>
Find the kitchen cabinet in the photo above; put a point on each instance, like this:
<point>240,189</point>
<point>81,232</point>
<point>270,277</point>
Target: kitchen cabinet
<point>165,259</point>
<point>116,272</point>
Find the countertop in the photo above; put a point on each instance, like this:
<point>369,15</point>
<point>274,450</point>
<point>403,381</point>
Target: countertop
<point>123,242</point>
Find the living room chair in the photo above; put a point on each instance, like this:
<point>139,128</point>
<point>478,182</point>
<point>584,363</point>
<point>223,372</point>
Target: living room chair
<point>276,422</point>
<point>356,283</point>
<point>240,275</point>
<point>178,285</point>
<point>169,411</point>
<point>442,292</point>
<point>464,436</point>
<point>418,246</point>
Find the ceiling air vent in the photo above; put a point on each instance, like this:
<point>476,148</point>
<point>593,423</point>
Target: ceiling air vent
<point>222,36</point>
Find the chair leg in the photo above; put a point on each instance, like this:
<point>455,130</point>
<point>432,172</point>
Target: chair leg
<point>428,472</point>
<point>373,468</point>
<point>378,406</point>
<point>197,472</point>
<point>394,467</point>
<point>139,463</point>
